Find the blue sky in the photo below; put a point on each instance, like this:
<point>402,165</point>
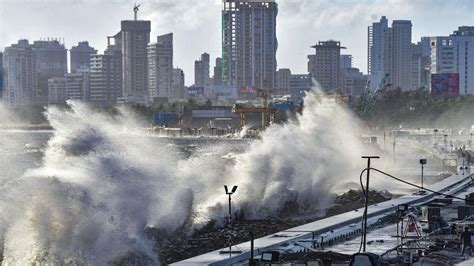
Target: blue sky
<point>196,24</point>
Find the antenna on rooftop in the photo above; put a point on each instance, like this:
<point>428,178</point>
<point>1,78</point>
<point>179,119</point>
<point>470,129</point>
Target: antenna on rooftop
<point>135,10</point>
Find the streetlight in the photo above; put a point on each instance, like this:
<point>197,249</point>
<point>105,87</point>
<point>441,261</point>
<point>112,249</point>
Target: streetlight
<point>234,188</point>
<point>422,162</point>
<point>364,225</point>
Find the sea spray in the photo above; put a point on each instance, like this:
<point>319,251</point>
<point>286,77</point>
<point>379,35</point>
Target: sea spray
<point>102,182</point>
<point>294,169</point>
<point>100,185</point>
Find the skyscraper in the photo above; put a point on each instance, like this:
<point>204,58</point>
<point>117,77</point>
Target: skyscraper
<point>160,67</point>
<point>106,74</point>
<point>401,76</point>
<point>202,71</point>
<point>327,60</point>
<point>134,38</point>
<point>377,50</point>
<point>20,71</point>
<point>390,51</point>
<point>249,43</point>
<point>51,61</point>
<point>81,55</point>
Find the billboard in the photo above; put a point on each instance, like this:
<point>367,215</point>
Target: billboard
<point>445,85</point>
<point>195,91</point>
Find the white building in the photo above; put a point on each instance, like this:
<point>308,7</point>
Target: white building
<point>160,67</point>
<point>377,54</point>
<point>20,76</point>
<point>390,51</point>
<point>455,54</point>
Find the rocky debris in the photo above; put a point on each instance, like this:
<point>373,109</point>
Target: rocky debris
<point>182,245</point>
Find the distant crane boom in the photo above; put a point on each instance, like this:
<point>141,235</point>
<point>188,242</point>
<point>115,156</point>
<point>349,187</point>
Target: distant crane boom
<point>135,10</point>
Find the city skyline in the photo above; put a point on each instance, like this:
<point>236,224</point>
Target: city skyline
<point>348,24</point>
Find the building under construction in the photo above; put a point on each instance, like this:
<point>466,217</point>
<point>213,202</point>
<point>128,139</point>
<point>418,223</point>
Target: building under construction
<point>249,43</point>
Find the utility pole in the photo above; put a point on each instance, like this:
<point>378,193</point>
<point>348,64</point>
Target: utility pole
<point>364,235</point>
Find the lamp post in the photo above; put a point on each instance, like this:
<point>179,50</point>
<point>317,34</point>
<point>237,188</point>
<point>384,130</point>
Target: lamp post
<point>229,193</point>
<point>422,162</point>
<point>364,235</point>
<point>234,188</point>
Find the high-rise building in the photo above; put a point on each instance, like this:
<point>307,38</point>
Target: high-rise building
<point>249,43</point>
<point>134,38</point>
<point>390,51</point>
<point>106,75</point>
<point>201,71</point>
<point>455,54</point>
<point>51,61</point>
<point>377,50</point>
<point>463,40</point>
<point>160,67</point>
<point>178,92</point>
<point>20,81</point>
<point>401,75</point>
<point>326,68</point>
<point>81,56</point>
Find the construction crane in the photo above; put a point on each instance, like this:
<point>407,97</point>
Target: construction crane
<point>368,100</point>
<point>135,10</point>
